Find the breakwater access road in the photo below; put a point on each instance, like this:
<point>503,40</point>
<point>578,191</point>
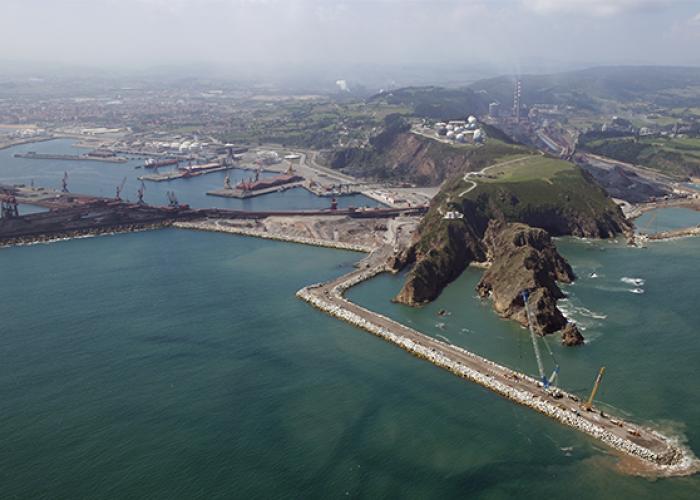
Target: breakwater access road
<point>649,451</point>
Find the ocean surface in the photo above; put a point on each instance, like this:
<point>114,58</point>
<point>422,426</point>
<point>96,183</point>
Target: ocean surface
<point>667,219</point>
<point>179,364</point>
<point>101,179</point>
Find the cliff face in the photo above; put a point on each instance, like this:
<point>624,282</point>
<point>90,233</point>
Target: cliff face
<point>399,155</point>
<point>565,203</point>
<point>439,261</point>
<point>525,259</point>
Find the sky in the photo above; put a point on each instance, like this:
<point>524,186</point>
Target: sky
<point>511,35</point>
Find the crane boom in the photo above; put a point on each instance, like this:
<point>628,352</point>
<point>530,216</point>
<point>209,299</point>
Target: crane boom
<point>538,357</point>
<point>120,188</point>
<point>596,386</point>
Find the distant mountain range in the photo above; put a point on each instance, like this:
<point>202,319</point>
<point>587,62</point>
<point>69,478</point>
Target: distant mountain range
<point>586,89</point>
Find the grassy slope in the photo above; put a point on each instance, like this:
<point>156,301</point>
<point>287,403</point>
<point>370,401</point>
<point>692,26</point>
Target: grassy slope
<point>673,156</point>
<point>539,191</point>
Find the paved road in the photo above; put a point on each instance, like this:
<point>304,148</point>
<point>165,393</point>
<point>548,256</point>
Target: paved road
<point>468,175</point>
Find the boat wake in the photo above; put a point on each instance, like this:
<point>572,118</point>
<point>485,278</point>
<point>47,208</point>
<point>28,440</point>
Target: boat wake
<point>633,281</point>
<point>572,311</point>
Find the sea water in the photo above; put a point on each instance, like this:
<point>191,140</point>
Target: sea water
<point>178,364</point>
<point>102,178</point>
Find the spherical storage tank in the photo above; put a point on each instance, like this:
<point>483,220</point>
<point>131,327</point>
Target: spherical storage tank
<point>471,119</point>
<point>450,134</point>
<point>460,137</point>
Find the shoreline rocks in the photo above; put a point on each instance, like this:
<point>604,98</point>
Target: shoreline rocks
<point>524,259</point>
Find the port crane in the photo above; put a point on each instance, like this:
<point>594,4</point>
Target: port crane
<point>140,192</point>
<point>546,382</point>
<point>64,183</point>
<point>172,199</point>
<point>8,208</point>
<point>120,188</point>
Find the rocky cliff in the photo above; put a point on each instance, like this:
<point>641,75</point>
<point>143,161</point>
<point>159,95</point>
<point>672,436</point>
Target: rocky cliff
<point>524,259</point>
<point>455,233</point>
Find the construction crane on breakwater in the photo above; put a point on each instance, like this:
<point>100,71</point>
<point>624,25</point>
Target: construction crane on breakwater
<point>589,404</point>
<point>64,183</point>
<point>546,382</point>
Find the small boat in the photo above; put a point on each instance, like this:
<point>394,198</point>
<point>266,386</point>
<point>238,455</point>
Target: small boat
<point>637,290</point>
<point>593,275</point>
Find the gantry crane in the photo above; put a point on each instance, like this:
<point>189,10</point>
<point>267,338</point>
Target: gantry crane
<point>8,208</point>
<point>64,183</point>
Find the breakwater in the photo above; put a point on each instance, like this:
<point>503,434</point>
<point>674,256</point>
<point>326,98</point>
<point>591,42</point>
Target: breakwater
<point>82,233</point>
<point>216,226</point>
<point>655,452</point>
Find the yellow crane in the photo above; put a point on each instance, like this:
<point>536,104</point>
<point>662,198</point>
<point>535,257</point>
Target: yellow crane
<point>589,404</point>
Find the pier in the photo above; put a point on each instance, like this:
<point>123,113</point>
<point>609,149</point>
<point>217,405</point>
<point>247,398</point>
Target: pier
<point>245,194</point>
<point>184,173</point>
<point>86,157</point>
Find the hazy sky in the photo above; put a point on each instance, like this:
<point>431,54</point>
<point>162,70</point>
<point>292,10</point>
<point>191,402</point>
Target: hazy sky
<point>508,33</point>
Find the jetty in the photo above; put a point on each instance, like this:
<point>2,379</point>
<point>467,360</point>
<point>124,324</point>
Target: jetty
<point>186,172</point>
<point>652,451</point>
<point>251,193</point>
<point>86,157</point>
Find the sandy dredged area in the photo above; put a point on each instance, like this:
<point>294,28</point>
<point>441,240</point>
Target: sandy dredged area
<point>363,235</point>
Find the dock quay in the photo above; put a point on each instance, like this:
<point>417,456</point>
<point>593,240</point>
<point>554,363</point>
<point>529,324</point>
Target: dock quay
<point>244,194</point>
<point>652,452</point>
<point>74,216</point>
<point>184,173</point>
<point>82,221</point>
<point>85,157</point>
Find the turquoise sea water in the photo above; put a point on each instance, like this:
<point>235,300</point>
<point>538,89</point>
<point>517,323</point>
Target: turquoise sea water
<point>667,219</point>
<point>177,364</point>
<point>100,178</point>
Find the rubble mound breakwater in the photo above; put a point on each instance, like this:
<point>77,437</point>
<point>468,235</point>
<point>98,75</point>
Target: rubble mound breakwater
<point>657,453</point>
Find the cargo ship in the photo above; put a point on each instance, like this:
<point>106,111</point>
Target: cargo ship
<point>151,163</point>
<point>268,182</point>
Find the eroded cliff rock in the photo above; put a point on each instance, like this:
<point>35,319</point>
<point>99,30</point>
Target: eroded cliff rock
<point>525,259</point>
